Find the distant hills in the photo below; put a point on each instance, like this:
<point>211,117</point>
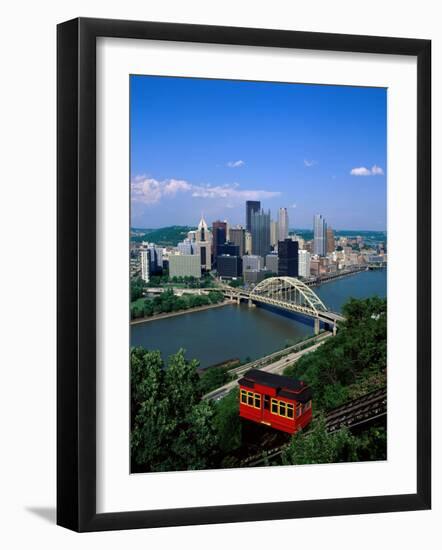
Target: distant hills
<point>173,234</point>
<point>164,236</point>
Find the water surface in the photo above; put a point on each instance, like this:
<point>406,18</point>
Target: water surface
<point>239,332</point>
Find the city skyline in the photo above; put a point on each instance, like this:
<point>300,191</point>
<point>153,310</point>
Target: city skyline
<point>203,146</point>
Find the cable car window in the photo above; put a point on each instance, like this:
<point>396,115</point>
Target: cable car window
<point>243,396</point>
<point>266,402</point>
<point>274,406</point>
<point>257,401</point>
<point>299,409</point>
<point>249,398</point>
<point>282,408</point>
<point>290,411</point>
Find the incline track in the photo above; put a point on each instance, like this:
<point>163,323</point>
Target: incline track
<point>356,412</point>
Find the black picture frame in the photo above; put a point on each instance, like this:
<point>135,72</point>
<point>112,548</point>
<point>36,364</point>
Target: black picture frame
<point>76,274</point>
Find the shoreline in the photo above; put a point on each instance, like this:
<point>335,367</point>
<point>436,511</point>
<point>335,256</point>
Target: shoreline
<point>160,316</point>
<point>337,277</point>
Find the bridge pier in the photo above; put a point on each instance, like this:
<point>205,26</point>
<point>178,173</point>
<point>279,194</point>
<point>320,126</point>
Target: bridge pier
<point>334,329</point>
<point>317,325</point>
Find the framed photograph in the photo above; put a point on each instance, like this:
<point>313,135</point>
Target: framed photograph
<point>236,209</point>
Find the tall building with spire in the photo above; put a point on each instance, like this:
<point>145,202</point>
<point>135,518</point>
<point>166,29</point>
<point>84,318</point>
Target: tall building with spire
<point>319,235</point>
<point>283,224</point>
<point>203,238</point>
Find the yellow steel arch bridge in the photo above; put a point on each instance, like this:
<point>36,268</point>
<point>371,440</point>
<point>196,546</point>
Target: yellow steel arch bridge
<point>290,294</point>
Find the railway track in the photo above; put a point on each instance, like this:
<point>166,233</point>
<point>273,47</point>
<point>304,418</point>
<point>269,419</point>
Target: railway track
<point>357,412</point>
<point>364,409</point>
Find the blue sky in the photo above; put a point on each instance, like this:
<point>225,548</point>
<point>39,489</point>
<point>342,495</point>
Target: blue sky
<point>207,146</point>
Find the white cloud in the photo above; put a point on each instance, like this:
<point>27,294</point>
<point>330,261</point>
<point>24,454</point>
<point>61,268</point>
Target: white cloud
<point>148,190</point>
<point>363,171</point>
<point>377,170</point>
<point>310,163</point>
<point>293,205</point>
<point>173,186</point>
<point>235,163</point>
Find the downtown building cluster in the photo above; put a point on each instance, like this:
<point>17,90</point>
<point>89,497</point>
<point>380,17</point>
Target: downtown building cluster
<point>261,248</point>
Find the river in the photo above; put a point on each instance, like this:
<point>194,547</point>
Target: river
<point>231,332</point>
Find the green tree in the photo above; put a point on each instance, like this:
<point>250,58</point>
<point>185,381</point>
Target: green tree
<point>227,422</point>
<point>215,296</point>
<point>172,429</point>
<point>320,447</point>
<point>136,288</point>
<point>214,377</point>
<point>148,308</point>
<point>152,425</point>
<point>195,446</point>
<point>372,444</point>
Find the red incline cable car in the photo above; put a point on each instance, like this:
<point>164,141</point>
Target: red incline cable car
<point>277,401</point>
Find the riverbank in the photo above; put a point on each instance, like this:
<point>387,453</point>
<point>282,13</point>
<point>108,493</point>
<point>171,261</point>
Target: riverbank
<point>335,277</point>
<point>243,332</point>
<point>158,316</point>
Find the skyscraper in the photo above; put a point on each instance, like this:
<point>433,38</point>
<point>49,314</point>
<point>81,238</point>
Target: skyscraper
<point>204,241</point>
<point>283,224</point>
<point>145,264</point>
<point>185,265</point>
<point>248,243</point>
<point>219,234</point>
<point>251,262</point>
<point>188,247</point>
<point>288,258</point>
<point>319,235</point>
<point>260,229</point>
<point>273,233</point>
<point>229,266</point>
<point>155,257</point>
<point>228,248</point>
<point>304,263</point>
<point>251,206</point>
<point>238,237</point>
<point>330,240</point>
<point>272,263</point>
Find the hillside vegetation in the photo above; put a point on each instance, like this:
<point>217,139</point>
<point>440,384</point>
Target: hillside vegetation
<point>354,361</point>
<point>165,236</point>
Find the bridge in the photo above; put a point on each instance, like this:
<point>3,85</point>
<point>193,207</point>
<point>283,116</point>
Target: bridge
<point>289,294</point>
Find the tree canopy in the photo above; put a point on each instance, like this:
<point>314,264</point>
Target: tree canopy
<point>172,429</point>
<point>168,301</point>
<point>319,446</point>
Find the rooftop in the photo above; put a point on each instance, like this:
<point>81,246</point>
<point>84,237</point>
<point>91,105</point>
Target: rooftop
<point>284,385</point>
